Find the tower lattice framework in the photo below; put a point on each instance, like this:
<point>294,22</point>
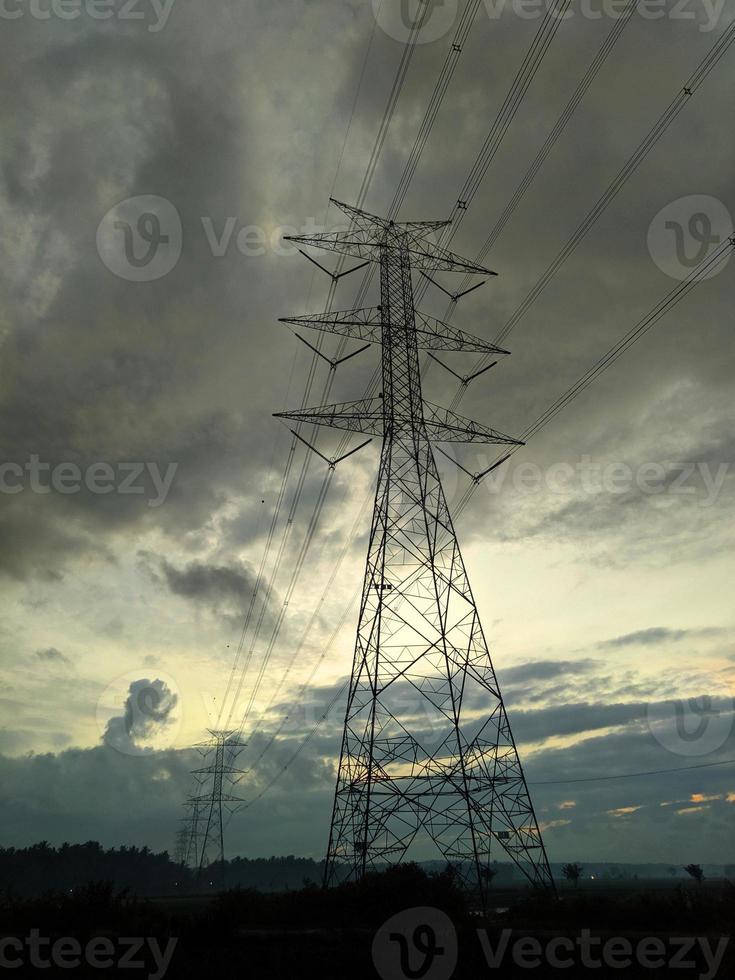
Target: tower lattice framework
<point>427,752</point>
<point>206,835</point>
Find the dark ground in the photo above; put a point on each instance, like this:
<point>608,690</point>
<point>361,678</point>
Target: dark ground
<point>313,933</point>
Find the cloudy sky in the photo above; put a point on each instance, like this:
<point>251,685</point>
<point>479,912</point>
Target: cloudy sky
<point>142,466</point>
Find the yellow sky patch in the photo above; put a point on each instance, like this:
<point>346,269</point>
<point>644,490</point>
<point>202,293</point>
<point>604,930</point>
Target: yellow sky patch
<point>624,811</point>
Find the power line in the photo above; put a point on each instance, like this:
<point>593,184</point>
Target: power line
<point>669,302</point>
<point>313,619</point>
<point>521,82</point>
<point>441,86</point>
<point>629,775</point>
<point>692,86</point>
<point>553,18</point>
<point>380,139</point>
<point>655,134</point>
<point>553,137</point>
<point>515,95</point>
<point>391,787</point>
<point>689,88</point>
<point>435,102</point>
<point>672,299</point>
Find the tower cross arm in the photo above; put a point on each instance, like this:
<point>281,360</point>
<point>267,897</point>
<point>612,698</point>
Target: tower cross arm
<point>370,242</point>
<point>360,244</point>
<point>365,325</point>
<point>365,220</point>
<point>433,334</point>
<point>444,426</point>
<point>427,256</point>
<point>365,415</point>
<point>362,324</point>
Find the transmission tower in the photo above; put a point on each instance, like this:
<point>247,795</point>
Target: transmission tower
<point>427,752</point>
<point>206,842</point>
<point>181,847</point>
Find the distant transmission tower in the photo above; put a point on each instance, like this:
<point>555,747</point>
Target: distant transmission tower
<point>206,843</point>
<point>181,848</point>
<point>427,751</point>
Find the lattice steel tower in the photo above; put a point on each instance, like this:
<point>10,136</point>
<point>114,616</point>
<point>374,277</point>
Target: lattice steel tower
<point>427,751</point>
<point>206,843</point>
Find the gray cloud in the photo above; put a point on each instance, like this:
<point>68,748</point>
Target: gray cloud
<point>655,635</point>
<point>118,798</point>
<point>544,670</point>
<point>210,583</point>
<point>148,711</point>
<point>188,369</point>
<point>574,719</point>
<point>53,656</point>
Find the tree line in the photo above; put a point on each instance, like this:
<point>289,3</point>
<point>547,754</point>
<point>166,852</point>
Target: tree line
<point>42,868</point>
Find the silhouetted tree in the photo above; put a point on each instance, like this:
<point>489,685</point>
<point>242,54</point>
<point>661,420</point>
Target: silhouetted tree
<point>695,871</point>
<point>572,872</point>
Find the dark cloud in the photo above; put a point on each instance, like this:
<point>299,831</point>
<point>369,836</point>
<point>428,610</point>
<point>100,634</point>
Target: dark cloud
<point>574,719</point>
<point>99,794</point>
<point>53,656</point>
<point>209,583</point>
<point>544,670</point>
<point>653,636</point>
<point>116,797</point>
<point>648,637</point>
<point>34,545</point>
<point>217,586</point>
<point>188,369</point>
